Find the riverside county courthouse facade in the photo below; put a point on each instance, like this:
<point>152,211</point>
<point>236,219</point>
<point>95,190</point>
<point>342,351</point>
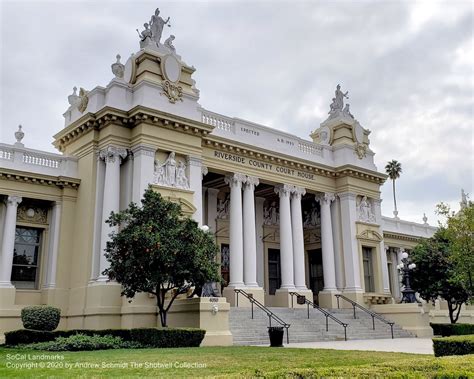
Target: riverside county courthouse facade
<point>289,214</point>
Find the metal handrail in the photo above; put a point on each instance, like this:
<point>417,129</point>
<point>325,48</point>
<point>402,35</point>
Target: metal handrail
<point>323,311</point>
<point>371,313</point>
<point>269,313</point>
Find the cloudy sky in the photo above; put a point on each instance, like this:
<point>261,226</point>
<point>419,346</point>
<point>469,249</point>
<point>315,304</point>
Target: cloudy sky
<point>408,67</point>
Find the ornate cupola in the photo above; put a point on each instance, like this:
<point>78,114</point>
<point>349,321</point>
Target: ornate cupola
<point>155,77</point>
<point>341,129</point>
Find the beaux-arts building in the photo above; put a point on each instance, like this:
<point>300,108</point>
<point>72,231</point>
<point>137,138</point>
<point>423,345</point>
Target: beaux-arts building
<point>289,214</point>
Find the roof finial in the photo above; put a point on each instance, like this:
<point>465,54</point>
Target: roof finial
<point>118,68</point>
<point>425,219</point>
<point>19,136</point>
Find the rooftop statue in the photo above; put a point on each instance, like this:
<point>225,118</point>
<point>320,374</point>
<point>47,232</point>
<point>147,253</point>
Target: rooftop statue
<point>337,106</point>
<point>169,43</point>
<point>156,25</point>
<point>339,100</point>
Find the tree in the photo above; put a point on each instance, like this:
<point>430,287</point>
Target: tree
<point>460,232</point>
<point>435,275</point>
<point>393,170</point>
<point>158,250</point>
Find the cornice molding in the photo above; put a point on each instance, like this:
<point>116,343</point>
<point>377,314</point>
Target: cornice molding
<point>46,180</point>
<point>402,237</point>
<point>128,119</point>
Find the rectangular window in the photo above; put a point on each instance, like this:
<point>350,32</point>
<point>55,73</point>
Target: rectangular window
<point>274,271</point>
<point>26,257</point>
<point>368,269</point>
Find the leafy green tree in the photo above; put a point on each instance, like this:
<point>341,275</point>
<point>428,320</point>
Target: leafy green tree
<point>460,232</point>
<point>435,274</point>
<point>158,250</point>
<point>393,170</point>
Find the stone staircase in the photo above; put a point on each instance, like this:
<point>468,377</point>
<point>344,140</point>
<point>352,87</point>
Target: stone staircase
<point>248,331</point>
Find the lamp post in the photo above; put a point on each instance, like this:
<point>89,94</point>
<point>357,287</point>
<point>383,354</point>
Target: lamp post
<point>406,268</point>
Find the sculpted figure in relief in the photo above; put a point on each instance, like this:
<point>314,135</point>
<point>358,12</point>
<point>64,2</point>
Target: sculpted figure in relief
<point>346,112</point>
<point>312,218</point>
<point>171,173</point>
<point>157,24</point>
<point>365,211</point>
<point>223,208</point>
<point>271,215</point>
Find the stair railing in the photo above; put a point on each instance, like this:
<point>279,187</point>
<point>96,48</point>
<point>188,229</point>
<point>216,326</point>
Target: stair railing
<point>269,313</point>
<point>372,314</point>
<point>323,311</point>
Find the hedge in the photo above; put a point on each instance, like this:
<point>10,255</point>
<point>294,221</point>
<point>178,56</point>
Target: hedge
<point>447,330</point>
<point>151,337</point>
<point>455,345</point>
<point>40,317</point>
<point>81,342</point>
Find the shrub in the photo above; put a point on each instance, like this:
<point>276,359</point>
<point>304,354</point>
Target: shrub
<point>151,337</point>
<point>455,345</point>
<point>80,342</point>
<point>40,317</point>
<point>447,330</point>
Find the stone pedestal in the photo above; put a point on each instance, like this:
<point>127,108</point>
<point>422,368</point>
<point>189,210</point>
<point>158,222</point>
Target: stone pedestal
<point>412,317</point>
<point>7,297</point>
<point>328,300</point>
<point>357,296</point>
<point>308,294</point>
<point>283,298</point>
<point>231,296</point>
<point>140,312</point>
<point>208,313</point>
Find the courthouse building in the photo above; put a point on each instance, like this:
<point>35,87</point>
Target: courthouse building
<point>289,214</point>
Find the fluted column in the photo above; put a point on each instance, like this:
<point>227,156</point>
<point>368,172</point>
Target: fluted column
<point>250,241</point>
<point>8,242</point>
<point>383,254</point>
<point>298,238</point>
<point>212,208</point>
<point>111,202</point>
<point>286,239</point>
<point>327,244</point>
<point>195,184</point>
<point>143,168</point>
<point>259,201</point>
<point>236,233</point>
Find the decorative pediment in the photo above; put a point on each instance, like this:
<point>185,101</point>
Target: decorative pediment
<point>186,206</point>
<point>370,235</point>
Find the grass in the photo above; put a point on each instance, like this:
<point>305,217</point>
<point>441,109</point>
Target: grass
<point>234,362</point>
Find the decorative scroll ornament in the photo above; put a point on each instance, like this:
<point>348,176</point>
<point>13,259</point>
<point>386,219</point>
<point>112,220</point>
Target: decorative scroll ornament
<point>172,91</point>
<point>361,150</point>
<point>83,100</point>
<point>364,210</point>
<point>171,173</point>
<point>118,68</point>
<point>271,214</point>
<point>31,214</point>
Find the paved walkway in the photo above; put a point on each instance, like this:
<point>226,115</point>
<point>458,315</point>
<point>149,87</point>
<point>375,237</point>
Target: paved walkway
<point>399,345</point>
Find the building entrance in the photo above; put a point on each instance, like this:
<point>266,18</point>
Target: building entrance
<point>316,278</point>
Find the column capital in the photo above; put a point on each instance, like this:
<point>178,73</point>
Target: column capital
<point>298,192</point>
<point>346,195</point>
<point>387,248</point>
<point>284,189</point>
<point>204,172</point>
<point>14,200</point>
<point>112,153</point>
<point>251,182</point>
<point>144,150</point>
<point>235,179</point>
<point>325,198</point>
<point>194,161</point>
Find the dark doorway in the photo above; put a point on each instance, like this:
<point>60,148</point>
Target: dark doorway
<point>225,263</point>
<point>316,278</point>
<point>274,270</point>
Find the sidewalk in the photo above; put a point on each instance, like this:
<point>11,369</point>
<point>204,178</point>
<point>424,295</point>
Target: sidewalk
<point>399,345</point>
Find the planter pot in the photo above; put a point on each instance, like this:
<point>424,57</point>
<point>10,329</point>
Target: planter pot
<point>276,336</point>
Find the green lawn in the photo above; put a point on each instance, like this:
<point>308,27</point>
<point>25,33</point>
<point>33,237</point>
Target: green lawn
<point>232,361</point>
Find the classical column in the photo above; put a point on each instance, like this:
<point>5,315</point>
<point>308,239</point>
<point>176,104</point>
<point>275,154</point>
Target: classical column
<point>143,169</point>
<point>259,201</point>
<point>349,242</point>
<point>195,184</point>
<point>53,246</point>
<point>212,208</point>
<point>383,254</point>
<point>286,239</point>
<point>250,242</point>
<point>327,244</point>
<point>8,242</point>
<point>298,238</point>
<point>99,202</point>
<point>336,236</point>
<point>236,233</point>
<point>111,201</point>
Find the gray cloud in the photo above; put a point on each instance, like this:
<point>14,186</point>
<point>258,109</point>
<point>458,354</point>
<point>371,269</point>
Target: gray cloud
<point>407,66</point>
